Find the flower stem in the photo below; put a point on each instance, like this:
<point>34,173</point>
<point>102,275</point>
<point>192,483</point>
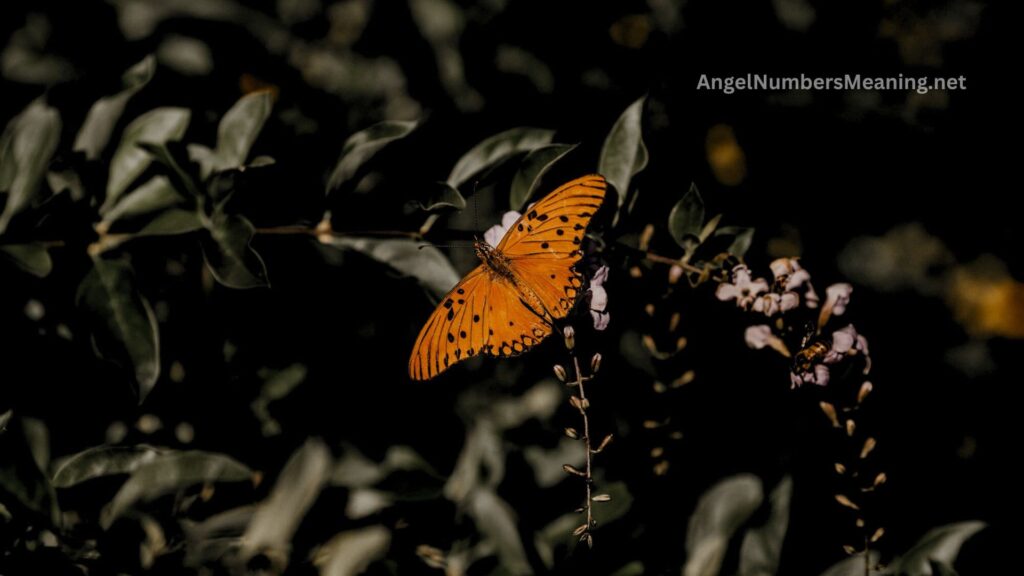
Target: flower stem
<point>588,479</point>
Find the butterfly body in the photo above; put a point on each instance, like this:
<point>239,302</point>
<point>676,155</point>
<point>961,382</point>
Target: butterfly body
<point>509,303</point>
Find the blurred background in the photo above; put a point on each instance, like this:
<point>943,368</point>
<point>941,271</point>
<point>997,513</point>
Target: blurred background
<point>275,429</point>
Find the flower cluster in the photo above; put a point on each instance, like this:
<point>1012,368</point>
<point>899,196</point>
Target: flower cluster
<point>789,295</point>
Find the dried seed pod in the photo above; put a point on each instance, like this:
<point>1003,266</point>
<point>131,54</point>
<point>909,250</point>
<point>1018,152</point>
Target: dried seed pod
<point>595,363</point>
<point>579,530</point>
<point>830,413</point>
<point>673,322</point>
<point>589,539</point>
<point>602,498</point>
<point>570,337</point>
<point>859,522</point>
<point>560,373</point>
<point>844,501</point>
<point>851,426</point>
<point>649,308</point>
<point>869,445</point>
<point>570,469</point>
<point>849,549</point>
<point>878,535</point>
<point>865,389</point>
<point>840,469</point>
<point>604,444</point>
<point>657,452</point>
<point>572,433</point>
<point>880,479</point>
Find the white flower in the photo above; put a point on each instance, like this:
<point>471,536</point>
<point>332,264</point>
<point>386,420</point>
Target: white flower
<point>743,289</point>
<point>761,336</point>
<point>819,375</point>
<point>837,297</point>
<point>495,233</point>
<point>847,342</point>
<point>599,299</point>
<point>790,278</point>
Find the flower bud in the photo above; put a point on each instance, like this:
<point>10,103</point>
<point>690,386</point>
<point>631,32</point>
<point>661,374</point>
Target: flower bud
<point>570,337</point>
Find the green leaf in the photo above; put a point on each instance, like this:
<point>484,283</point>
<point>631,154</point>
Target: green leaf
<point>125,328</point>
<point>421,261</point>
<point>442,197</point>
<point>26,147</point>
<point>241,125</point>
<point>941,545</point>
<point>742,239</point>
<point>351,553</point>
<point>297,487</point>
<point>687,218</point>
<point>533,168</point>
<point>363,146</point>
<point>32,258</point>
<point>169,473</point>
<point>177,166</point>
<point>157,126</point>
<point>720,512</point>
<point>496,520</point>
<point>156,195</point>
<point>99,124</point>
<point>624,153</point>
<point>852,566</point>
<point>100,461</point>
<point>495,149</point>
<point>229,255</point>
<point>21,478</point>
<point>236,134</point>
<point>762,545</point>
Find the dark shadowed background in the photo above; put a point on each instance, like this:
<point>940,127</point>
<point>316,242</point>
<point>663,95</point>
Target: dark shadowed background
<point>904,195</point>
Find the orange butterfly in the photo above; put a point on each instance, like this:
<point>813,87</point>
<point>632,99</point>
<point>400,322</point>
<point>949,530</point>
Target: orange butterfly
<point>508,304</point>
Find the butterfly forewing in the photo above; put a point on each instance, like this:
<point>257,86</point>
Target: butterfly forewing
<point>544,245</point>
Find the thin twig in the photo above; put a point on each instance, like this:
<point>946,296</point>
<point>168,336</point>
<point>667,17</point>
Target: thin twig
<point>582,406</point>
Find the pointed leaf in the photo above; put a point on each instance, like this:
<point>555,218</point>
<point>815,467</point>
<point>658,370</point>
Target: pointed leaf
<point>362,146</point>
<point>99,124</point>
<point>742,239</point>
<point>687,218</point>
<point>26,147</point>
<point>278,517</point>
<point>762,545</point>
<point>421,261</point>
<point>240,126</point>
<point>32,258</point>
<point>495,149</point>
<point>442,197</point>
<point>940,545</point>
<point>125,328</point>
<point>720,512</point>
<point>156,195</point>
<point>169,473</point>
<point>351,552</point>
<point>624,153</point>
<point>157,126</point>
<point>229,255</point>
<point>100,461</point>
<point>533,168</point>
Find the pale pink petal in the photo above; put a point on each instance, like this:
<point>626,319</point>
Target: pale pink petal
<point>837,296</point>
<point>674,274</point>
<point>758,336</point>
<point>599,277</point>
<point>598,298</point>
<point>494,234</point>
<point>844,339</point>
<point>821,375</point>
<point>509,218</point>
<point>758,286</point>
<point>726,292</point>
<point>789,301</point>
<point>601,319</point>
<point>782,267</point>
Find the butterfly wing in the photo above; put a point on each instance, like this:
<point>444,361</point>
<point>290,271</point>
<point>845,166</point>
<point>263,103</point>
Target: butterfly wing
<point>543,246</point>
<point>481,315</point>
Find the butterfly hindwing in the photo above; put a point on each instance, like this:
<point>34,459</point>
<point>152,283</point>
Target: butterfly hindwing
<point>481,315</point>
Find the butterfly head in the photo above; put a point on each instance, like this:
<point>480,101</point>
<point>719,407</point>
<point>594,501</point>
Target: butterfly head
<point>491,256</point>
